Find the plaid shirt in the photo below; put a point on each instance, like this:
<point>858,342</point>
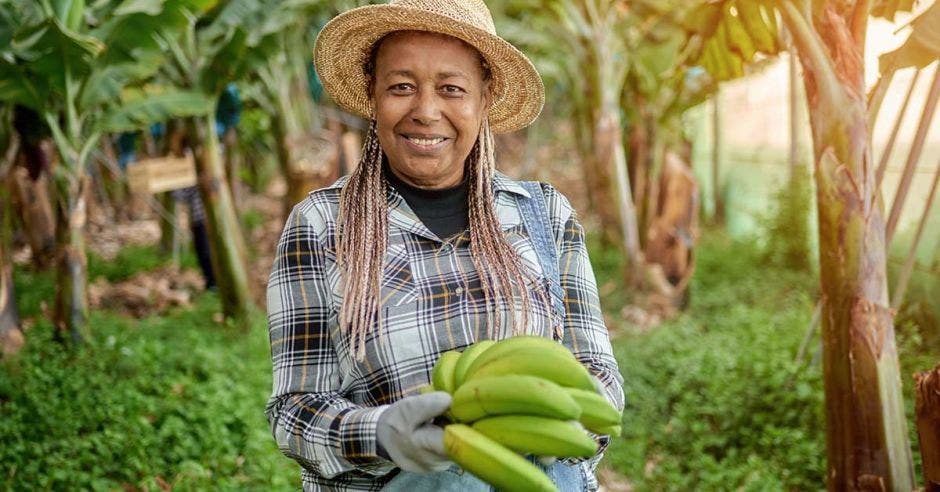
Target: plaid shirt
<point>325,403</point>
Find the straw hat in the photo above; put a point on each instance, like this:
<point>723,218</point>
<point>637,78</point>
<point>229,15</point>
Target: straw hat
<point>344,45</point>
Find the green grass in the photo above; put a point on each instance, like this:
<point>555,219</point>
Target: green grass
<point>176,399</point>
<point>715,399</point>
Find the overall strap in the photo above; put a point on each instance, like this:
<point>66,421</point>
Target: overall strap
<point>537,222</point>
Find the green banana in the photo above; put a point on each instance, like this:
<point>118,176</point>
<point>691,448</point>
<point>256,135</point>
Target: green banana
<point>492,462</point>
<point>738,38</point>
<point>749,11</point>
<point>612,431</point>
<point>467,358</point>
<point>502,347</point>
<point>558,366</point>
<point>538,436</point>
<point>514,394</point>
<point>596,411</point>
<point>442,376</point>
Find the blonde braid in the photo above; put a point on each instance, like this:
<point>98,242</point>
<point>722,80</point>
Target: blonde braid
<point>362,229</point>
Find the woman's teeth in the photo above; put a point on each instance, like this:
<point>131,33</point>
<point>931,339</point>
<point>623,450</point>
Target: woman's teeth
<point>426,141</point>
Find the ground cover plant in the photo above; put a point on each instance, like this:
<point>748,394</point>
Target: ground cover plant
<point>715,397</point>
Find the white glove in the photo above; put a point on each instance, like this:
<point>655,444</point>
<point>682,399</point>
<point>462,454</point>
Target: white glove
<point>405,433</point>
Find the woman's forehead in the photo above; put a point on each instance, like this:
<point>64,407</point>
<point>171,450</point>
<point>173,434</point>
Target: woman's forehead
<point>446,53</point>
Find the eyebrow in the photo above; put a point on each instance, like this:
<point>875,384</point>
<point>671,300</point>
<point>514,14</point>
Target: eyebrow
<point>442,75</point>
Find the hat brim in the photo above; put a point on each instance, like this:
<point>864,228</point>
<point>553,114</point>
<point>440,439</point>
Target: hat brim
<point>345,42</point>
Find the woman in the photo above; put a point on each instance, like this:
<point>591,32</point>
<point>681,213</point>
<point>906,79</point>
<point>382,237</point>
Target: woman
<point>425,248</point>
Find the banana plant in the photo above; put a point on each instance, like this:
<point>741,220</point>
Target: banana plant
<point>227,45</point>
<point>592,31</point>
<point>83,69</point>
<point>282,91</point>
<point>11,332</point>
<point>866,433</point>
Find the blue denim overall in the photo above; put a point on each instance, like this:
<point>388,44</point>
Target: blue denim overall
<point>568,478</point>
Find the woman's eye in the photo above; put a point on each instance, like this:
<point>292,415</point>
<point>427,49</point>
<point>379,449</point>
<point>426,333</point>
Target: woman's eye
<point>453,89</point>
<point>401,87</point>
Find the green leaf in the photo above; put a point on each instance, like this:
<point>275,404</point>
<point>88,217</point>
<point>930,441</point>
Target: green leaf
<point>49,51</point>
<point>149,7</point>
<point>18,88</point>
<point>146,107</point>
<point>106,84</point>
<point>136,30</point>
<point>922,46</point>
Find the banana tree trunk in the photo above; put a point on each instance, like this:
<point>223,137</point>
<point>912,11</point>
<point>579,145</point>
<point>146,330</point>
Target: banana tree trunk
<point>927,413</point>
<point>718,212</point>
<point>226,242</point>
<point>70,315</point>
<point>11,333</point>
<point>866,432</point>
<point>32,199</point>
<point>232,163</point>
<point>604,138</point>
<point>609,154</point>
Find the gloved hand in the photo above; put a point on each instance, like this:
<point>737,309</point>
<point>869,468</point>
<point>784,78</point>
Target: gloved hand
<point>405,433</point>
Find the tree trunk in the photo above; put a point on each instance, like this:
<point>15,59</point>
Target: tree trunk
<point>718,211</point>
<point>11,333</point>
<point>232,163</point>
<point>604,138</point>
<point>609,155</point>
<point>70,315</point>
<point>866,434</point>
<point>226,242</point>
<point>927,414</point>
<point>32,199</point>
<point>638,162</point>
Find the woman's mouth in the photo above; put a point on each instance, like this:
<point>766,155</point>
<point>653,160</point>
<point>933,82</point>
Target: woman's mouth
<point>424,144</point>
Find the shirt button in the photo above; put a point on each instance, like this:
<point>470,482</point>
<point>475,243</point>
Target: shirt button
<point>459,291</point>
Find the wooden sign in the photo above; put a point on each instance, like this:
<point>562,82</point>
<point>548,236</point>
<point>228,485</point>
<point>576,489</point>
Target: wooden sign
<point>161,174</point>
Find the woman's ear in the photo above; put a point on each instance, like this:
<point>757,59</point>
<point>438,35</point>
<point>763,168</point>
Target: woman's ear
<point>487,95</point>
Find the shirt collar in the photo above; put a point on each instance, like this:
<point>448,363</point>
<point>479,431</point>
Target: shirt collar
<point>401,215</point>
<point>501,182</point>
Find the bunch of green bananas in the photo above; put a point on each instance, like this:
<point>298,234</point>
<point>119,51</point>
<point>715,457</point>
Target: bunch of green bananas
<point>525,395</point>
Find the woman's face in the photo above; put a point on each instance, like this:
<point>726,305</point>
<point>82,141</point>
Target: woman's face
<point>430,99</point>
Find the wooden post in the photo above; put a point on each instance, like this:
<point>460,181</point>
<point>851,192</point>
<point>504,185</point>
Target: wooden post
<point>927,415</point>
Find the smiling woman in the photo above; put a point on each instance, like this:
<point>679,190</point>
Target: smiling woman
<point>431,93</point>
<point>425,248</point>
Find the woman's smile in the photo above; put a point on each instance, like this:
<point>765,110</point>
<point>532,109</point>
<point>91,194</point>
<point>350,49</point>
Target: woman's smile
<point>428,145</point>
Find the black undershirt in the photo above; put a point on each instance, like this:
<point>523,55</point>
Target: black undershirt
<point>444,212</point>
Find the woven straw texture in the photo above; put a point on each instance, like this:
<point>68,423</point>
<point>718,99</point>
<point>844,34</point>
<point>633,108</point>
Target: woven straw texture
<point>344,44</point>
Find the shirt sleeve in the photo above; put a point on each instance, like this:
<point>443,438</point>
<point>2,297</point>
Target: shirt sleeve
<point>585,333</point>
<point>312,422</point>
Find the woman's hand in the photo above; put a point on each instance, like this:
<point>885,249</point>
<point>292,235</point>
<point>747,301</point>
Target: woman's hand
<point>409,439</point>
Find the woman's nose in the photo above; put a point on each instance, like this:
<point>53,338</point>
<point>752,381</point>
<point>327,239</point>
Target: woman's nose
<point>426,109</point>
